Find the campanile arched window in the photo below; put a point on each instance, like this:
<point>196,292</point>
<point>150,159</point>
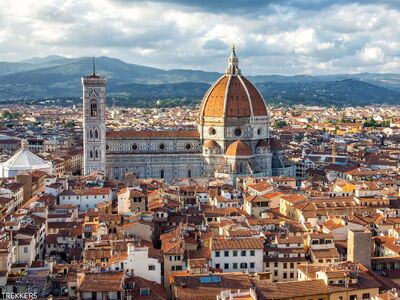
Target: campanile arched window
<point>96,133</point>
<point>93,108</point>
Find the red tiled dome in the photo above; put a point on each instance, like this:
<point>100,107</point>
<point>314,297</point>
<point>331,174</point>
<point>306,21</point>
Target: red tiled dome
<point>210,144</point>
<point>238,148</point>
<point>233,95</point>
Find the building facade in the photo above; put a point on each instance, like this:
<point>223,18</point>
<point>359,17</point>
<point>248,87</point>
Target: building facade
<point>232,138</point>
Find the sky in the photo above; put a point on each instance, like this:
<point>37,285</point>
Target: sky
<point>286,37</point>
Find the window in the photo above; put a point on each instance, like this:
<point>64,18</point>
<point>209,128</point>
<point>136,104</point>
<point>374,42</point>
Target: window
<point>243,253</point>
<point>189,175</point>
<point>143,292</point>
<point>188,146</point>
<point>238,132</point>
<point>285,265</point>
<point>275,264</point>
<point>93,109</point>
<point>96,133</point>
<point>252,265</point>
<point>226,266</point>
<point>235,252</point>
<point>226,253</point>
<point>234,266</point>
<point>25,249</point>
<point>96,153</point>
<point>152,267</point>
<point>178,268</point>
<point>243,265</point>
<point>291,275</point>
<point>291,265</point>
<point>252,253</point>
<point>366,296</point>
<point>267,265</point>
<point>91,153</point>
<point>353,297</point>
<point>134,147</point>
<point>217,254</point>
<point>275,273</point>
<point>161,173</point>
<point>284,275</point>
<point>161,146</point>
<point>212,131</point>
<point>217,266</point>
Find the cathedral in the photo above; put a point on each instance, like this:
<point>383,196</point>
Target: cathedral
<point>232,137</point>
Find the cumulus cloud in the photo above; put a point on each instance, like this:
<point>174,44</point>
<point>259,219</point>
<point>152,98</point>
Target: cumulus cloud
<point>271,36</point>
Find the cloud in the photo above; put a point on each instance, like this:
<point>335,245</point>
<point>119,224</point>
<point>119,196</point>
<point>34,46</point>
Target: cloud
<point>284,37</point>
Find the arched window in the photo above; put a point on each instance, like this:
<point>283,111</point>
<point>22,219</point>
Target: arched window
<point>91,153</point>
<point>96,153</point>
<point>93,108</point>
<point>96,133</point>
<point>161,173</point>
<point>91,133</point>
<point>189,173</point>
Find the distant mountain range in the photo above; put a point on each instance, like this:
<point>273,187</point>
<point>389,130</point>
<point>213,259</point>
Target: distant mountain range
<point>54,77</point>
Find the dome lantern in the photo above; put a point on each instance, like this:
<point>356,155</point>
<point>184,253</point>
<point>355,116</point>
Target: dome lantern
<point>233,64</point>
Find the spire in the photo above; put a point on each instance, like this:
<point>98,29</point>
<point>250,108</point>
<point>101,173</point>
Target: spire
<point>233,63</point>
<point>94,67</point>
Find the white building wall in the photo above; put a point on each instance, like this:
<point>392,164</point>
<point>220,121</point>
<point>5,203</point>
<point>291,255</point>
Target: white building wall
<point>220,261</point>
<point>84,202</point>
<point>140,264</point>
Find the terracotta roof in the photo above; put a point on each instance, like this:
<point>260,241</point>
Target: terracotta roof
<point>197,287</point>
<point>275,144</point>
<point>239,148</point>
<point>260,186</point>
<point>102,282</point>
<point>325,253</point>
<point>210,144</point>
<point>88,192</point>
<point>130,134</point>
<point>243,243</point>
<point>290,290</point>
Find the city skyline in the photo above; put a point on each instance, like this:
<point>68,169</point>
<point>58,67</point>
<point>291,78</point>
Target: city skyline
<point>272,37</point>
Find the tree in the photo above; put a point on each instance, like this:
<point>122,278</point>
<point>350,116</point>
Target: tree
<point>280,124</point>
<point>69,124</point>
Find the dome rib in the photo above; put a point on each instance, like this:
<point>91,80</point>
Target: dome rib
<point>226,95</point>
<point>249,99</point>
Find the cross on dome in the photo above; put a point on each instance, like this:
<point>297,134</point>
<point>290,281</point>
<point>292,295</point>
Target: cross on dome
<point>233,64</point>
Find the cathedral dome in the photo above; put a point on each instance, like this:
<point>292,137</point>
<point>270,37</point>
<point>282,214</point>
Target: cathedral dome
<point>232,95</point>
<point>239,148</point>
<point>210,144</point>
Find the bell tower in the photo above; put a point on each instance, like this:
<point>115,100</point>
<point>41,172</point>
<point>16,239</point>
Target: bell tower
<point>94,122</point>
